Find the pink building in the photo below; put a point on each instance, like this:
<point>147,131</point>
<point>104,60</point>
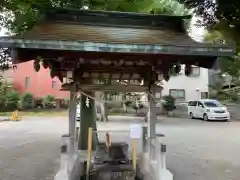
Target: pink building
<point>25,79</point>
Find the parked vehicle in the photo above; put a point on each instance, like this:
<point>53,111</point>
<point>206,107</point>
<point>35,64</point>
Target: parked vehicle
<point>208,109</point>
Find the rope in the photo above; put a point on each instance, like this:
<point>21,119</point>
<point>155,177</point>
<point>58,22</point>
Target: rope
<point>89,96</point>
<point>153,98</point>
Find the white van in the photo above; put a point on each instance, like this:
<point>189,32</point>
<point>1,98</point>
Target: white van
<point>208,109</point>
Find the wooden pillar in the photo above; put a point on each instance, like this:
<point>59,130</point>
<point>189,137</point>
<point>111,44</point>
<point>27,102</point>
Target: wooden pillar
<point>88,119</point>
<point>72,129</point>
<point>144,139</point>
<point>72,122</point>
<point>152,118</point>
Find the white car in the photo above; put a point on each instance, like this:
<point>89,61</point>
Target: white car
<point>208,109</point>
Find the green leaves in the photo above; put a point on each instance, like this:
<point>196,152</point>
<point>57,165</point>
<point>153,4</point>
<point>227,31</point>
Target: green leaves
<point>169,7</point>
<point>27,100</point>
<point>21,16</point>
<point>229,65</point>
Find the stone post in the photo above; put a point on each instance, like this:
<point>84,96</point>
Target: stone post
<point>152,119</point>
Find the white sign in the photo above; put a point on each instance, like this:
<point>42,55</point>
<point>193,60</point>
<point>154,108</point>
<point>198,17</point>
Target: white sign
<point>135,131</point>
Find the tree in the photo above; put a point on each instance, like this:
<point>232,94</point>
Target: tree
<point>221,18</point>
<point>216,90</point>
<point>229,66</point>
<point>220,15</point>
<point>19,15</point>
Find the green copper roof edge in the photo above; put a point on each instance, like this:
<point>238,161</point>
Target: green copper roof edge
<point>202,49</point>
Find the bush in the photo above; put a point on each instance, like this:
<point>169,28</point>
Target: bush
<point>169,103</point>
<point>27,101</point>
<point>12,101</point>
<point>38,103</point>
<point>49,101</point>
<point>234,96</point>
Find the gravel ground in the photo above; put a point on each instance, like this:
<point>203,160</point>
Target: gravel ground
<point>30,149</point>
<point>196,150</point>
<point>199,150</point>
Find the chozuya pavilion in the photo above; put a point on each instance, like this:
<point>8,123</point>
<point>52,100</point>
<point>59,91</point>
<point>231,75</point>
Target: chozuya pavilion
<point>82,46</point>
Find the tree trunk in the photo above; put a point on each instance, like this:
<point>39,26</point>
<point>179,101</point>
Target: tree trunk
<point>88,119</point>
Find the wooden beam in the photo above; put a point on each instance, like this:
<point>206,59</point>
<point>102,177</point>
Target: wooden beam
<point>112,88</point>
<point>111,69</point>
<point>97,76</point>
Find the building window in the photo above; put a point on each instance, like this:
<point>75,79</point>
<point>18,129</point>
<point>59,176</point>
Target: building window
<point>54,85</point>
<point>204,95</point>
<point>195,71</point>
<point>192,103</point>
<point>27,82</point>
<point>177,93</point>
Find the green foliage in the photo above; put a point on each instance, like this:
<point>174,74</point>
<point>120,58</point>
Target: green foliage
<point>221,16</point>
<point>21,16</point>
<point>216,90</point>
<point>27,101</point>
<point>12,100</point>
<point>229,65</point>
<point>48,101</point>
<point>234,96</point>
<point>169,103</point>
<point>36,66</point>
<point>4,89</point>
